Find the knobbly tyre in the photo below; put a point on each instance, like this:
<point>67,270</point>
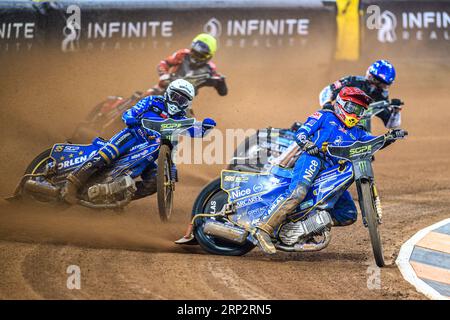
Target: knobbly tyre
<point>257,151</point>
<point>226,210</point>
<point>118,184</point>
<point>105,118</point>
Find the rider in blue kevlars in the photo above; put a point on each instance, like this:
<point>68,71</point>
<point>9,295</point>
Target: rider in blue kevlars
<point>336,127</point>
<point>379,77</point>
<point>176,100</point>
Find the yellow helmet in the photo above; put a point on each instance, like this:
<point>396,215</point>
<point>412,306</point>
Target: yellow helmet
<point>203,48</point>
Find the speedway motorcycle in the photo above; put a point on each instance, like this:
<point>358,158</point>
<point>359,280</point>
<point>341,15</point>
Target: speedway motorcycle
<point>257,151</point>
<point>118,184</point>
<point>105,118</point>
<point>226,210</point>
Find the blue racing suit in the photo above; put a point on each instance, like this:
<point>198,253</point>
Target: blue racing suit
<point>321,127</point>
<point>151,107</point>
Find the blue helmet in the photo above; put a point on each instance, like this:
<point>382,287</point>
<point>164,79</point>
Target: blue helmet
<point>383,71</point>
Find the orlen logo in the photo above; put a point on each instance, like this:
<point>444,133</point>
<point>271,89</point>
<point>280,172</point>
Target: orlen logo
<point>240,193</point>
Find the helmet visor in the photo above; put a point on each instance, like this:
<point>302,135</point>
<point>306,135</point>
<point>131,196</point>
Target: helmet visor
<point>179,99</point>
<point>353,108</point>
<point>198,56</point>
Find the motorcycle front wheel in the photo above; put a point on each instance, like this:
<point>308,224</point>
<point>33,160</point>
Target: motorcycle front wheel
<point>164,183</point>
<point>368,208</point>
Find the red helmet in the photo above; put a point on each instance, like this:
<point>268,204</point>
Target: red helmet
<point>350,105</point>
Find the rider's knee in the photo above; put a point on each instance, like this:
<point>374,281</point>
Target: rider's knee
<point>300,191</point>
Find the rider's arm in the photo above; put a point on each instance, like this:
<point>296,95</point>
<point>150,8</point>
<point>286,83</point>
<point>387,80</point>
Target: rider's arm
<point>312,124</point>
<point>199,129</point>
<point>131,116</point>
<point>173,60</point>
<point>395,120</point>
<point>219,80</point>
<point>363,135</point>
<point>329,93</point>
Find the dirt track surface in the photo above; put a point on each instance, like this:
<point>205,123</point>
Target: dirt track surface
<point>132,254</point>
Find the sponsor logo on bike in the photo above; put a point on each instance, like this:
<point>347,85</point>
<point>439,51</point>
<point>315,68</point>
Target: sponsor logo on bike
<point>71,148</point>
<point>275,204</point>
<point>237,179</point>
<point>256,212</point>
<point>360,150</point>
<point>363,166</point>
<point>72,162</point>
<point>240,193</point>
<point>166,126</point>
<point>248,201</point>
<point>139,155</point>
<point>258,188</point>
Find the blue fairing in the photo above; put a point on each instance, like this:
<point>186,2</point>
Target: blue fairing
<point>68,157</point>
<point>253,193</point>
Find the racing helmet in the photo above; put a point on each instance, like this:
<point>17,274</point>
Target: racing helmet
<point>381,73</point>
<point>178,96</point>
<point>203,48</point>
<point>350,105</point>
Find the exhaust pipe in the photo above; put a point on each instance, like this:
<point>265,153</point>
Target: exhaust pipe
<point>220,230</point>
<point>33,186</point>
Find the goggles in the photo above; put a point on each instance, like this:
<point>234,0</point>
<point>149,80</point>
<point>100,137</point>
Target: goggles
<point>379,83</point>
<point>353,108</point>
<point>200,53</point>
<point>179,99</point>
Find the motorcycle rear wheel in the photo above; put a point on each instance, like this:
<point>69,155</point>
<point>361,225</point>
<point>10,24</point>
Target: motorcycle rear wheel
<point>210,195</point>
<point>164,183</point>
<point>368,207</point>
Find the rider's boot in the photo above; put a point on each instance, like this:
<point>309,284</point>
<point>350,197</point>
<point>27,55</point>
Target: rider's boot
<point>77,178</point>
<point>281,210</point>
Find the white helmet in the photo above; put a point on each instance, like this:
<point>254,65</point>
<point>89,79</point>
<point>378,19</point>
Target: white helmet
<point>179,95</point>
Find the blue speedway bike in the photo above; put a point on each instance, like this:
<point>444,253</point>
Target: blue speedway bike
<point>226,210</point>
<point>117,185</point>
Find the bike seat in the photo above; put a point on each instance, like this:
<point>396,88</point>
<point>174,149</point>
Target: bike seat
<point>281,172</point>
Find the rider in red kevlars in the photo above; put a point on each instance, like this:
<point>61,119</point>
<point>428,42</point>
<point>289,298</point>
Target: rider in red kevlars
<point>194,65</point>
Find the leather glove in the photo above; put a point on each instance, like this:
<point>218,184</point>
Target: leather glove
<point>396,104</point>
<point>208,124</point>
<point>395,134</point>
<point>310,148</point>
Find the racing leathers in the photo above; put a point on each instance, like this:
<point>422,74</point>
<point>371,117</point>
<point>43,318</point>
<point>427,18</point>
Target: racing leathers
<point>321,127</point>
<point>390,117</point>
<point>178,65</point>
<point>151,107</point>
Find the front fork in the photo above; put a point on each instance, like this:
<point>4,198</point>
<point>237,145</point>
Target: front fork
<point>375,200</point>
